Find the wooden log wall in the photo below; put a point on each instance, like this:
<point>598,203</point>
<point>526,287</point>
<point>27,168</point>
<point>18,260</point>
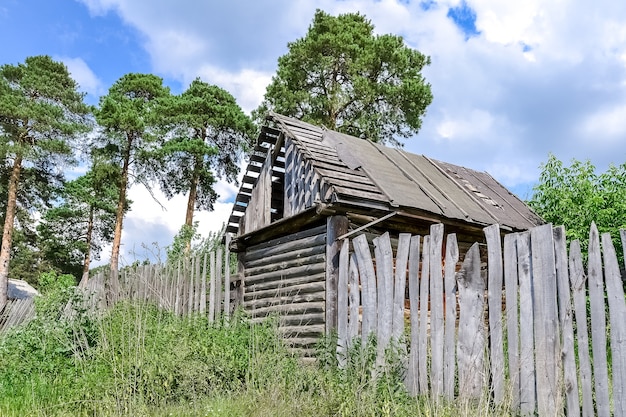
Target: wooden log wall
<point>285,278</point>
<point>533,354</point>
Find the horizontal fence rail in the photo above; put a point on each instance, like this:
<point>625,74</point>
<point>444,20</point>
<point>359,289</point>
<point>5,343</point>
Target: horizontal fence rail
<point>514,329</point>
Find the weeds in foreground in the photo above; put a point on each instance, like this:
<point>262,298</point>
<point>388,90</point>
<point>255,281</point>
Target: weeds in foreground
<point>141,361</point>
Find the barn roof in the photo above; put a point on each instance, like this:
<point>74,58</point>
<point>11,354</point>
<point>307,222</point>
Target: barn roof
<point>360,172</point>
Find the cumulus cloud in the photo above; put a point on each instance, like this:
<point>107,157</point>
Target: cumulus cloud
<point>85,77</point>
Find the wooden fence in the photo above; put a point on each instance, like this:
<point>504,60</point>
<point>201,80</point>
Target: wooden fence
<point>194,286</point>
<point>16,312</point>
<point>515,331</point>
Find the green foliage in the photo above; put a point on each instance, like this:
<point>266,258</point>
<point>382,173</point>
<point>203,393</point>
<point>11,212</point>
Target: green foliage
<point>207,133</point>
<point>343,76</point>
<point>575,196</point>
<point>188,243</point>
<point>74,231</point>
<point>42,115</point>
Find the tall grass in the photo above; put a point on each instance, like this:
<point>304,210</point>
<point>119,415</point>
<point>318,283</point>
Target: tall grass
<point>138,360</point>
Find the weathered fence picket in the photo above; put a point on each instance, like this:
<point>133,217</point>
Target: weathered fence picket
<point>570,382</point>
<point>578,281</point>
<point>598,324</point>
<point>414,282</point>
<point>450,288</point>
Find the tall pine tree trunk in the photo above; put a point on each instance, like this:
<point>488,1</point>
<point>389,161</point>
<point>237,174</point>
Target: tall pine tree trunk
<point>193,195</point>
<point>191,202</point>
<point>7,234</point>
<point>114,283</point>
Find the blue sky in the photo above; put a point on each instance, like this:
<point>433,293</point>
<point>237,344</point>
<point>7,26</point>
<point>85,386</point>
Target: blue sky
<point>512,81</point>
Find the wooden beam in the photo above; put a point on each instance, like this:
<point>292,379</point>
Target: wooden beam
<point>335,226</point>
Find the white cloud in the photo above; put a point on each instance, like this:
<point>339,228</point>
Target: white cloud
<point>609,125</point>
<point>247,85</point>
<point>83,75</point>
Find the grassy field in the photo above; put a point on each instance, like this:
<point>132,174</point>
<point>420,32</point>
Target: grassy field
<point>140,361</point>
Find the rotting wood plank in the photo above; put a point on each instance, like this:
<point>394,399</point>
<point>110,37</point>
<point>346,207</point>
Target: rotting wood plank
<point>286,264</point>
<point>384,283</point>
<point>399,289</point>
<point>335,227</point>
<point>471,344</point>
<point>342,303</point>
<point>296,271</point>
<point>436,309</point>
<point>368,286</point>
<point>218,288</point>
<point>528,396</point>
<point>512,324</point>
<point>411,380</point>
<point>546,321</point>
<point>302,319</point>
<point>598,324</point>
<point>354,300</point>
<point>578,281</point>
<point>494,266</point>
<point>284,283</point>
<point>282,290</point>
<point>617,315</point>
<point>227,268</point>
<point>295,332</point>
<point>277,249</point>
<point>570,380</point>
<point>291,299</point>
<point>423,319</point>
<point>212,284</point>
<point>450,290</point>
<point>289,309</point>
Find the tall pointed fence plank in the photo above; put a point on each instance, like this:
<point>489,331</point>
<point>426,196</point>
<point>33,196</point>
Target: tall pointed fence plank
<point>436,309</point>
<point>528,396</point>
<point>494,266</point>
<point>598,324</point>
<point>384,282</point>
<point>570,380</point>
<point>402,259</point>
<point>449,347</point>
<point>198,281</point>
<point>227,278</point>
<point>212,285</point>
<point>472,338</point>
<point>354,300</point>
<point>578,283</point>
<point>424,312</point>
<point>368,286</point>
<point>191,277</point>
<point>219,264</point>
<point>617,314</point>
<point>414,282</point>
<point>203,285</point>
<point>546,325</point>
<point>177,299</point>
<point>342,303</point>
<point>512,326</point>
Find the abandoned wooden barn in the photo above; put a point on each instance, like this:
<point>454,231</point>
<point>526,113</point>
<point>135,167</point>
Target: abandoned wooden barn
<point>306,188</point>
